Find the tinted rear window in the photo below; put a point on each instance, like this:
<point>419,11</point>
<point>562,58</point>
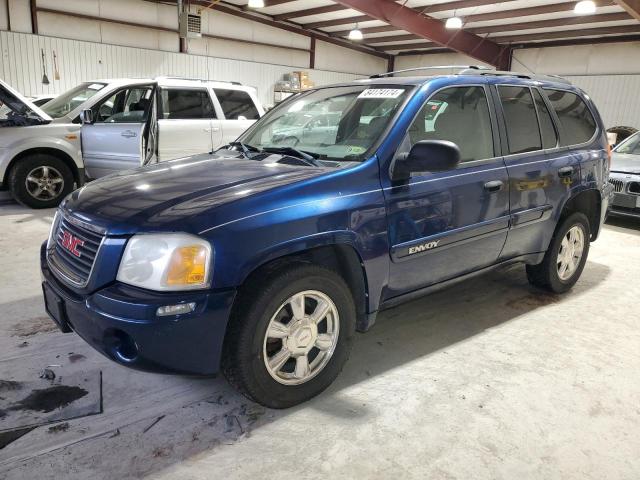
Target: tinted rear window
<point>578,124</point>
<point>236,104</point>
<point>523,134</point>
<point>188,104</point>
<point>549,137</point>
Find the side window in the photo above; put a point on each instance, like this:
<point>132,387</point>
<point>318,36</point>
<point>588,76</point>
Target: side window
<point>237,104</point>
<point>549,136</point>
<point>129,105</point>
<point>578,124</point>
<point>453,114</point>
<point>523,134</point>
<point>186,104</point>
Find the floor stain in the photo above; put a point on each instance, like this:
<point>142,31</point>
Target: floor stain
<point>48,399</point>
<point>33,326</point>
<point>61,427</point>
<point>9,385</point>
<point>76,357</point>
<point>532,300</point>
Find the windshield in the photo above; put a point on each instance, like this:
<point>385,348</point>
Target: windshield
<point>631,145</point>
<point>334,123</point>
<point>72,99</point>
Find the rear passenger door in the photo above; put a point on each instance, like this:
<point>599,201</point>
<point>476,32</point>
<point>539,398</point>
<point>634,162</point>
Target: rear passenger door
<point>186,120</point>
<point>239,111</point>
<point>530,143</point>
<point>445,224</point>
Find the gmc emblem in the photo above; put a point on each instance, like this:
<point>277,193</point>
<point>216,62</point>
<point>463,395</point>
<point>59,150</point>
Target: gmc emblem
<point>71,243</point>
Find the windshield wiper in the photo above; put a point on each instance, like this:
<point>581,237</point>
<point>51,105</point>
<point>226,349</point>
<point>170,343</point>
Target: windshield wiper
<point>309,157</point>
<point>244,148</point>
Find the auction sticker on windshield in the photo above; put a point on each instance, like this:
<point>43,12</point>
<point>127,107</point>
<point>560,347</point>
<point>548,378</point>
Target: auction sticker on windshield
<point>381,93</point>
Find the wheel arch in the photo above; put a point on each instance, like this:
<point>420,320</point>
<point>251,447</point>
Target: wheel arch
<point>62,155</point>
<point>588,202</point>
<point>334,251</point>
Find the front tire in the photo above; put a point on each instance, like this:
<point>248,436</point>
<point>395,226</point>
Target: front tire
<point>290,335</point>
<point>40,181</point>
<point>566,256</point>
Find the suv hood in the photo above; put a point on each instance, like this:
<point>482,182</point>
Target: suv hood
<point>173,195</point>
<point>14,100</point>
<point>625,162</point>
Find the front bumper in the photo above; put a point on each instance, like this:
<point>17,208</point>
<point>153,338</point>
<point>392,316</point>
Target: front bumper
<point>120,322</point>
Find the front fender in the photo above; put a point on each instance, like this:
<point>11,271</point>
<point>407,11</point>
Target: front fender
<point>297,245</point>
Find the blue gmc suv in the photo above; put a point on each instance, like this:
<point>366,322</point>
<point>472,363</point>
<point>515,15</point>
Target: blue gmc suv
<point>263,258</point>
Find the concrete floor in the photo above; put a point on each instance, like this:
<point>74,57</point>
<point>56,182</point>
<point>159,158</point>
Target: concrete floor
<point>490,379</point>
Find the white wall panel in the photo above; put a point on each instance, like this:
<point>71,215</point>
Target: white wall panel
<point>4,16</point>
<point>340,59</point>
<point>414,61</point>
<point>20,15</point>
<point>79,61</point>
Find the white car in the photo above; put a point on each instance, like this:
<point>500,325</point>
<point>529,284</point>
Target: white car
<point>126,123</point>
<point>40,159</point>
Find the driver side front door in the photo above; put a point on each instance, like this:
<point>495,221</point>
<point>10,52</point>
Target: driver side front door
<point>114,141</point>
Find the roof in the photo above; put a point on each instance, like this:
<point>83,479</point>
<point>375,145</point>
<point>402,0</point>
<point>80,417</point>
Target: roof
<point>508,22</point>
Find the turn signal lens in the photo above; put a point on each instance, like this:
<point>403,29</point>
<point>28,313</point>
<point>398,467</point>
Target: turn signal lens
<point>187,266</point>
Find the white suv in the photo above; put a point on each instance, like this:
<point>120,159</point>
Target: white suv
<point>131,122</point>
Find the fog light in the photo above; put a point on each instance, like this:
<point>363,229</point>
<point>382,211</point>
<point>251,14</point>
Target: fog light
<point>179,309</point>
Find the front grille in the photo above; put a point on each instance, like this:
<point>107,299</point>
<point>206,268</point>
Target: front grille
<point>74,250</point>
<point>618,185</point>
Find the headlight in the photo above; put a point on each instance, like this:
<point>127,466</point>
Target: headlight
<point>54,225</point>
<point>167,261</point>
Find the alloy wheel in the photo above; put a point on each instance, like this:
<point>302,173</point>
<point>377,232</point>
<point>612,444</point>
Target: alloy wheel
<point>570,253</point>
<point>301,337</point>
<point>44,183</point>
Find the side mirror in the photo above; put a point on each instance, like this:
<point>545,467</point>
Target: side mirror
<point>426,156</point>
<point>86,116</point>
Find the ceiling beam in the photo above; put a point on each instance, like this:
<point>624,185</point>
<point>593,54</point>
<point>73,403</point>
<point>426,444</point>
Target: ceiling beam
<point>481,17</point>
<point>309,11</point>
<point>557,22</point>
<point>577,41</point>
<point>431,29</point>
<point>631,6</point>
<point>512,27</point>
<point>510,39</point>
<point>586,32</point>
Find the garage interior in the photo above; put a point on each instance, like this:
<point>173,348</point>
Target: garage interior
<point>491,378</point>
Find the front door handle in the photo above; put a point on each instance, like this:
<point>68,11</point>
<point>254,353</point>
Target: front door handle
<point>129,134</point>
<point>493,186</point>
<point>565,172</point>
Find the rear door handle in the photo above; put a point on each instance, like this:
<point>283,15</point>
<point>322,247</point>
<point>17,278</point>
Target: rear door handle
<point>493,186</point>
<point>565,172</point>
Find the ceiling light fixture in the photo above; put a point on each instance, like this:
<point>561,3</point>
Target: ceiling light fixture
<point>256,4</point>
<point>355,34</point>
<point>454,23</point>
<point>585,7</point>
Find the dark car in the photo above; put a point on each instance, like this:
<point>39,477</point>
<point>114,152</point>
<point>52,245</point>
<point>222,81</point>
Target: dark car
<point>264,258</point>
<point>625,178</point>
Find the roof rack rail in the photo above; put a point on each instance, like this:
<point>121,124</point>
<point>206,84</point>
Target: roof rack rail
<point>196,79</point>
<point>531,76</point>
<point>434,67</point>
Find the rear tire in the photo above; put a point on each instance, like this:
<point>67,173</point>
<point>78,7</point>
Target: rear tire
<point>40,181</point>
<point>565,258</point>
<point>273,353</point>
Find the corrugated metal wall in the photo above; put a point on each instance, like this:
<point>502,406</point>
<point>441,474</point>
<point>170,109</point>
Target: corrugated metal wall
<point>21,65</point>
<point>616,96</point>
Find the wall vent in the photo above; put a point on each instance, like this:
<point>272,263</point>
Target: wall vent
<point>190,25</point>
